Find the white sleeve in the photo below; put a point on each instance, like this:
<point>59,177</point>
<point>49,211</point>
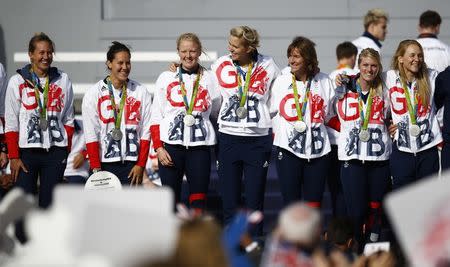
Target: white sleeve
<point>158,102</point>
<point>12,106</point>
<point>273,98</point>
<point>91,125</point>
<point>3,85</point>
<point>216,97</point>
<point>145,129</point>
<point>276,73</point>
<point>67,115</point>
<point>330,110</point>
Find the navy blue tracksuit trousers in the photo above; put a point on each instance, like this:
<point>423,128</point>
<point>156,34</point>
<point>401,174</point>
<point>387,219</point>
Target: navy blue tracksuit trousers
<point>246,156</point>
<point>408,167</point>
<point>301,179</point>
<point>364,185</point>
<point>335,185</point>
<point>195,162</point>
<point>119,169</point>
<point>46,165</point>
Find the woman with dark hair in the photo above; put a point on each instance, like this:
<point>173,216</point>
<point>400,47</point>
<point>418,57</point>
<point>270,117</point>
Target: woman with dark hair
<point>417,133</point>
<point>182,131</point>
<point>116,118</point>
<point>245,80</point>
<point>364,145</point>
<point>39,122</point>
<point>302,100</point>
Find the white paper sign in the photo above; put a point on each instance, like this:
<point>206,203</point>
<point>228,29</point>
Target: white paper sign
<point>103,180</point>
<point>420,214</point>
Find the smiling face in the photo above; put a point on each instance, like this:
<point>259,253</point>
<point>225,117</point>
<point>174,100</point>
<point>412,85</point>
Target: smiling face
<point>42,57</point>
<point>297,62</point>
<point>239,50</point>
<point>368,68</point>
<point>189,53</point>
<point>411,60</point>
<point>120,67</point>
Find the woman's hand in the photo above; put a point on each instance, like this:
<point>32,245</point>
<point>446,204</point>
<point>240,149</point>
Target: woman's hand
<point>173,66</point>
<point>164,157</point>
<point>341,79</point>
<point>78,161</point>
<point>3,160</point>
<point>136,175</point>
<point>392,128</point>
<point>16,166</point>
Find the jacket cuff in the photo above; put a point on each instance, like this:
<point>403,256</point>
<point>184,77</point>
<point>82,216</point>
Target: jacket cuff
<point>12,141</point>
<point>143,153</point>
<point>93,152</point>
<point>154,132</point>
<point>69,131</point>
<point>334,123</point>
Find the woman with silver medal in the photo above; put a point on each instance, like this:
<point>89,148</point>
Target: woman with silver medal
<point>301,100</point>
<point>182,132</point>
<point>245,79</point>
<point>116,120</point>
<point>415,128</point>
<point>364,173</point>
<point>36,95</point>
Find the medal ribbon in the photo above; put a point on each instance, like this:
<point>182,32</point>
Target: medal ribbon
<point>243,94</point>
<point>189,106</point>
<point>117,116</point>
<point>412,111</point>
<point>301,112</point>
<point>364,115</point>
<point>37,89</point>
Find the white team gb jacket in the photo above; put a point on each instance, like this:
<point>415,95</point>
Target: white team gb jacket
<point>436,53</point>
<point>98,122</point>
<point>22,112</point>
<point>333,135</point>
<point>314,142</point>
<point>258,121</point>
<point>378,147</point>
<point>169,109</point>
<point>430,134</point>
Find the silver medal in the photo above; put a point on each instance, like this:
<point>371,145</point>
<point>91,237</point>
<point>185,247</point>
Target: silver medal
<point>43,124</point>
<point>364,135</point>
<point>414,130</point>
<point>189,120</point>
<point>241,112</point>
<point>116,134</point>
<point>300,126</point>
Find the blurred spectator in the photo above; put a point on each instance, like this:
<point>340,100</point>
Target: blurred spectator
<point>199,245</point>
<point>295,238</point>
<point>436,53</point>
<point>375,30</point>
<point>341,236</point>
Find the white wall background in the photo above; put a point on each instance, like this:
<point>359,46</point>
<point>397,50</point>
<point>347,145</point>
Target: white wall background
<point>153,25</point>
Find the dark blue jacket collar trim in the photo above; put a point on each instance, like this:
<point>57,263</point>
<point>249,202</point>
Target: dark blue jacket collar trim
<point>368,35</point>
<point>53,73</point>
<point>427,35</point>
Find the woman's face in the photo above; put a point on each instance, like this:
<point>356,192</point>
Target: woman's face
<point>297,62</point>
<point>120,66</point>
<point>42,57</point>
<point>412,59</point>
<point>238,49</point>
<point>189,53</point>
<point>368,69</point>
